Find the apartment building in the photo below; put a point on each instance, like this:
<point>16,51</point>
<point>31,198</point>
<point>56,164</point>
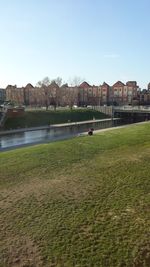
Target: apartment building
<point>84,89</point>
<point>15,94</point>
<point>131,92</point>
<point>69,96</point>
<point>117,93</point>
<point>82,95</point>
<point>88,94</point>
<point>144,97</point>
<point>104,94</point>
<point>124,93</point>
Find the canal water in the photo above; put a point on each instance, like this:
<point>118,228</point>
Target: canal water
<point>52,134</point>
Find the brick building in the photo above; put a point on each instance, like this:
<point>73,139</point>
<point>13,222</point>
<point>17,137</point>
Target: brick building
<point>83,95</point>
<point>88,94</point>
<point>104,94</point>
<point>29,97</point>
<point>15,94</point>
<point>84,88</point>
<point>52,93</point>
<point>144,97</point>
<point>124,93</point>
<point>69,96</point>
<point>117,93</point>
<point>131,92</point>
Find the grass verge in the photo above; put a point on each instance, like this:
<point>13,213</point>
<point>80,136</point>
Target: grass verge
<point>82,202</point>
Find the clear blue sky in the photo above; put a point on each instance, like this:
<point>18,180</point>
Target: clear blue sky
<point>98,40</point>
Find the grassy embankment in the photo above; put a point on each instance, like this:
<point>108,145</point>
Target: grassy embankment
<point>42,118</point>
<point>82,202</point>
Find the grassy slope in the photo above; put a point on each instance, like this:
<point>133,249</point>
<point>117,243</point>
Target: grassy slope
<point>82,202</point>
<point>40,118</point>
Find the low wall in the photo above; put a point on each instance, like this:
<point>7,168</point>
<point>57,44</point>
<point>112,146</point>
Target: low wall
<point>15,112</point>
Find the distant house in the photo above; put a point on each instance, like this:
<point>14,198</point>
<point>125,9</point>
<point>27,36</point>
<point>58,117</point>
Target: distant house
<point>124,93</point>
<point>144,97</point>
<point>117,92</point>
<point>15,94</point>
<point>29,94</point>
<point>88,94</point>
<point>104,94</point>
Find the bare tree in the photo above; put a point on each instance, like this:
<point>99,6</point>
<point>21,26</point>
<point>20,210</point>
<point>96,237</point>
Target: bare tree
<point>46,81</point>
<point>76,81</point>
<point>46,98</point>
<point>53,93</point>
<point>71,96</point>
<point>43,84</point>
<point>58,81</point>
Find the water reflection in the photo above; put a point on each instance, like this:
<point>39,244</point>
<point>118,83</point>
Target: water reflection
<point>53,134</point>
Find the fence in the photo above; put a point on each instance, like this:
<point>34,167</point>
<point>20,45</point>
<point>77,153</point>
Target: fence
<point>108,110</point>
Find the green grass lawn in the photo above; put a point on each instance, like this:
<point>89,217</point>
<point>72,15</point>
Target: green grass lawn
<point>83,202</point>
<point>42,118</point>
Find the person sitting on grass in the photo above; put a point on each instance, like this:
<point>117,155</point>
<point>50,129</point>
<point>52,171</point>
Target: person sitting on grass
<point>90,131</point>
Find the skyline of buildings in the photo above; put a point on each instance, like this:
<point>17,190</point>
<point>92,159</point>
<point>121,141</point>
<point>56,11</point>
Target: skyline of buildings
<point>82,95</point>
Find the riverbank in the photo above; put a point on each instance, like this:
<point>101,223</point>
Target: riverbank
<point>54,126</point>
<point>58,137</point>
<point>117,127</point>
<point>41,118</point>
<point>80,202</point>
<point>32,136</point>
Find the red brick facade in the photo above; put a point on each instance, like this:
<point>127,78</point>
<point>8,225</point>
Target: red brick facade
<point>83,95</point>
<point>104,93</point>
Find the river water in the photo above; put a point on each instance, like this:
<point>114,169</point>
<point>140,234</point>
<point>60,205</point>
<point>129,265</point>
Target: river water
<point>8,141</point>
